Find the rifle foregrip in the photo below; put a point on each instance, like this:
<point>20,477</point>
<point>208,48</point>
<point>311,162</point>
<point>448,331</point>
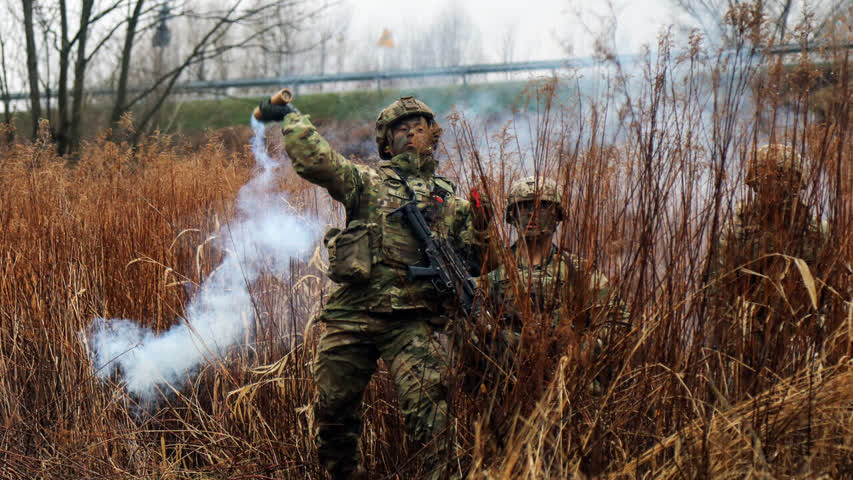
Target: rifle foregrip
<point>416,273</point>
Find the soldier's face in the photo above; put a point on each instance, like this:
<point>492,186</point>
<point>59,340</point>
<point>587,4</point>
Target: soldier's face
<point>411,135</point>
<point>533,219</point>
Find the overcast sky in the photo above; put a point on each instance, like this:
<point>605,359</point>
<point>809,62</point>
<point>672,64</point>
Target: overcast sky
<point>540,25</point>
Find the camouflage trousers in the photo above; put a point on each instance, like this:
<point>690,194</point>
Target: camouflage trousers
<point>346,360</point>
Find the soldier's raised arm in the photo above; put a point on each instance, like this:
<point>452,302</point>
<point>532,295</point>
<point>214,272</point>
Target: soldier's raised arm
<point>316,161</point>
<point>312,156</point>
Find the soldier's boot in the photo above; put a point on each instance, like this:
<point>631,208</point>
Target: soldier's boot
<point>337,449</point>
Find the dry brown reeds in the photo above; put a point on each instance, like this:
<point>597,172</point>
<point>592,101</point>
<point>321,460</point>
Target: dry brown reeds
<point>651,172</point>
<point>701,386</point>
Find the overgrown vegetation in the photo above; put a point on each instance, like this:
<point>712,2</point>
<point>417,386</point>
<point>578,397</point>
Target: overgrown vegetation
<point>651,172</point>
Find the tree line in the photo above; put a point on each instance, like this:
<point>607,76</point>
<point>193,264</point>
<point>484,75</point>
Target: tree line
<point>58,51</point>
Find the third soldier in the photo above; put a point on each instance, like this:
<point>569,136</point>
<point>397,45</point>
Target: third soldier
<point>754,277</point>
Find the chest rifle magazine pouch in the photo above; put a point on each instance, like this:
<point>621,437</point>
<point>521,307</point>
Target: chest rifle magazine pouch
<point>350,252</point>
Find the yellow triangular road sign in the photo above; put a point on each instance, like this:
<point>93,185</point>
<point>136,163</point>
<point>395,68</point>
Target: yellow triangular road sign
<point>385,41</point>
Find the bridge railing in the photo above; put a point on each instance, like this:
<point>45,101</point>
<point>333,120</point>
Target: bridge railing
<point>378,76</point>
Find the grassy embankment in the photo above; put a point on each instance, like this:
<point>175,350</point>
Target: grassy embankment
<point>688,389</point>
<point>354,106</point>
<point>193,117</point>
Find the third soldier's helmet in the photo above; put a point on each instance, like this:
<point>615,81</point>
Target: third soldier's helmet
<point>778,159</point>
<point>400,109</point>
<point>529,189</point>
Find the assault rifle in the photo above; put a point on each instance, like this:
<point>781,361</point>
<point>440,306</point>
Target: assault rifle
<point>449,275</point>
<point>445,269</point>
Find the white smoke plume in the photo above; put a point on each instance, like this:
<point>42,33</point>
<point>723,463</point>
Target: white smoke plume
<point>262,239</point>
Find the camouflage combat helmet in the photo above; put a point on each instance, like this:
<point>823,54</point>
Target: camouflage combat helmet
<point>527,189</point>
<point>781,158</point>
<point>400,109</point>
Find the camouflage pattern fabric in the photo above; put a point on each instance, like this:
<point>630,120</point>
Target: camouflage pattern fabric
<point>563,299</point>
<point>534,189</point>
<point>762,311</point>
<point>754,261</point>
<point>746,237</point>
<point>754,251</point>
<point>559,281</point>
<point>371,194</point>
<point>385,316</point>
<point>346,359</point>
<point>782,160</point>
<point>402,108</point>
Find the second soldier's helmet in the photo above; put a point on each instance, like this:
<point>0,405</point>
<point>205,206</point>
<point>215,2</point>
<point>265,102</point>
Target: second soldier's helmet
<point>543,190</point>
<point>400,109</point>
<point>777,159</point>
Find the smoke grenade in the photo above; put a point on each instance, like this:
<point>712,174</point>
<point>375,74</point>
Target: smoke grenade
<point>262,239</point>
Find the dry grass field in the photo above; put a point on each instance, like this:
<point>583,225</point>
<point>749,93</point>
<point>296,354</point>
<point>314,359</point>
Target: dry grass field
<point>651,171</point>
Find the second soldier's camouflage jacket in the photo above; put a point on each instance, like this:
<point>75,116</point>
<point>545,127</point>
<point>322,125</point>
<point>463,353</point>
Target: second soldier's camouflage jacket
<point>369,196</point>
<point>574,294</point>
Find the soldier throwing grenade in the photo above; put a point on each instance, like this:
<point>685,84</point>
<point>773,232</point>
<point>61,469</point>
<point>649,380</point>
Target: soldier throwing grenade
<point>376,312</point>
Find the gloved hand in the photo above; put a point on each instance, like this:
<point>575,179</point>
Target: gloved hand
<point>481,207</point>
<point>271,112</point>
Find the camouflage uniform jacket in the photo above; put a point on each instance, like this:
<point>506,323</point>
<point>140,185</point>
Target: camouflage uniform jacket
<point>369,195</point>
<point>562,286</point>
<point>747,247</point>
<point>744,241</point>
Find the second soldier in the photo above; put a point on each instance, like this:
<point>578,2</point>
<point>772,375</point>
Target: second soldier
<point>547,296</point>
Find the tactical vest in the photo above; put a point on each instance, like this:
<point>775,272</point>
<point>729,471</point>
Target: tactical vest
<point>384,191</point>
<point>545,283</point>
<point>757,248</point>
<point>765,284</point>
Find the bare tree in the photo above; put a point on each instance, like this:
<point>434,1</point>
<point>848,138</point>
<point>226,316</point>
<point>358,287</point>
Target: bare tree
<point>44,19</point>
<point>450,39</point>
<point>330,31</point>
<point>295,38</point>
<point>4,90</point>
<point>79,75</point>
<point>782,15</point>
<point>444,42</point>
<point>420,48</point>
<point>216,32</point>
<point>74,33</point>
<point>131,30</point>
<point>454,37</point>
<point>76,47</point>
<point>509,39</point>
<point>341,48</point>
<point>32,65</point>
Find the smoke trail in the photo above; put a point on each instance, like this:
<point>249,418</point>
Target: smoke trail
<point>262,239</point>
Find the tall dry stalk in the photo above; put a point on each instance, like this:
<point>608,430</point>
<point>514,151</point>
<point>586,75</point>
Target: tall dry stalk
<point>651,172</point>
